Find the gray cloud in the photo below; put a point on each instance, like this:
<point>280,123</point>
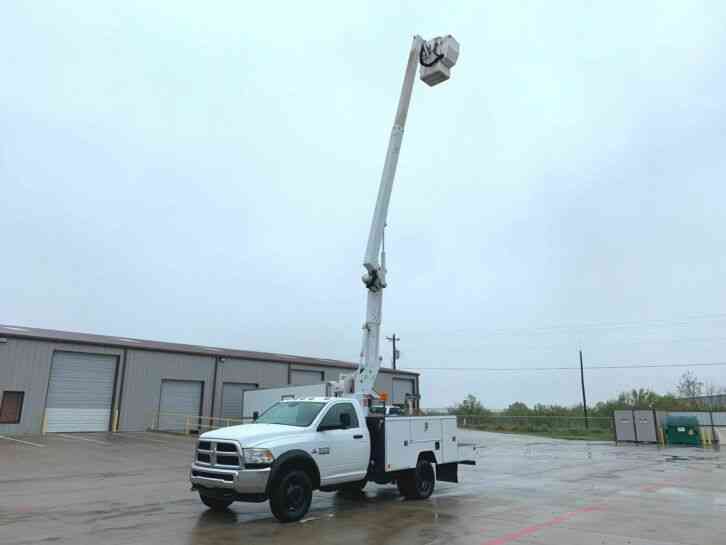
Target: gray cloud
<point>208,175</point>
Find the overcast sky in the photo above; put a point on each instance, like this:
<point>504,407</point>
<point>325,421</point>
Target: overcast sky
<point>206,173</point>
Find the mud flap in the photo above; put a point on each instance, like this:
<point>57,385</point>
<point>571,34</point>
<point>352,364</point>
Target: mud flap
<point>448,472</point>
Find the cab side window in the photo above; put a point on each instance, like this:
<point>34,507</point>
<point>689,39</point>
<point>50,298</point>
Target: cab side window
<point>332,418</point>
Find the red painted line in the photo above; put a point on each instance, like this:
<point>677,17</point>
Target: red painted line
<point>657,486</point>
<point>529,530</point>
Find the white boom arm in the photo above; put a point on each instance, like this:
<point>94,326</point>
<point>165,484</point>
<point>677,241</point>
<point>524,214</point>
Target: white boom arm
<point>375,276</point>
<point>436,57</point>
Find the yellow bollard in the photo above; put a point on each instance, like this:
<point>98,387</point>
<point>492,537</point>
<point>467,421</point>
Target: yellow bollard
<point>706,438</point>
<point>114,426</point>
<point>660,435</point>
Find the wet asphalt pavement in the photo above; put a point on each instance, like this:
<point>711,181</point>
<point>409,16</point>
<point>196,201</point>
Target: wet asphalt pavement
<point>132,488</point>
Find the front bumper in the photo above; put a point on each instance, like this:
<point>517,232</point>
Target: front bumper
<point>242,483</point>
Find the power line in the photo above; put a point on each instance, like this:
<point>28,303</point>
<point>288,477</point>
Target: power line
<point>589,367</point>
<point>562,328</point>
<point>473,345</point>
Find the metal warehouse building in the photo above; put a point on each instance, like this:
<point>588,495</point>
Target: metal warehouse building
<point>53,381</point>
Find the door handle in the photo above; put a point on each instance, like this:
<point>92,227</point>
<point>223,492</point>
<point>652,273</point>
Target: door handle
<point>358,437</point>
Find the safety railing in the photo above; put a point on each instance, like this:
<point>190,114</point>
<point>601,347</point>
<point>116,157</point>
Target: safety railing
<point>556,426</point>
<point>190,424</point>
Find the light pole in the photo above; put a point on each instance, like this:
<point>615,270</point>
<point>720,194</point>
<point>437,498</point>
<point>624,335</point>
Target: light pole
<point>435,57</point>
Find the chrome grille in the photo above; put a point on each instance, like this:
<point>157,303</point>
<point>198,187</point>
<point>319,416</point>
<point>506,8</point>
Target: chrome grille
<point>222,454</point>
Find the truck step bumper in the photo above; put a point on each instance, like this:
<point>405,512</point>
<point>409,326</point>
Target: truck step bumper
<point>242,483</point>
<point>230,494</point>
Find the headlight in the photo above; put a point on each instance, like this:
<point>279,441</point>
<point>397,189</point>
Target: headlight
<point>257,456</point>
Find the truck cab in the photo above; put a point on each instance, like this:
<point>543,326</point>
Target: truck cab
<point>325,439</point>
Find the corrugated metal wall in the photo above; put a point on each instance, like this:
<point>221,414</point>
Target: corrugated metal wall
<point>233,394</point>
<point>307,377</point>
<point>142,383</point>
<point>401,387</point>
<point>261,373</point>
<point>179,399</point>
<point>25,366</point>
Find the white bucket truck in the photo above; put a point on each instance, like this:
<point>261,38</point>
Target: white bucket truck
<point>337,441</point>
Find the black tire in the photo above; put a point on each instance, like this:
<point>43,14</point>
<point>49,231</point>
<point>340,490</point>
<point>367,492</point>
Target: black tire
<point>215,504</point>
<point>291,495</point>
<point>419,483</point>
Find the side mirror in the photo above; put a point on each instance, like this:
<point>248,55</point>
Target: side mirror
<point>255,416</point>
<point>345,420</point>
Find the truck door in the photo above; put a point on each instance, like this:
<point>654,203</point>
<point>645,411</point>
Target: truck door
<point>343,452</point>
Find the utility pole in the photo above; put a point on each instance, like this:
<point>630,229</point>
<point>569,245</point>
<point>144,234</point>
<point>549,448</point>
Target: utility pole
<point>393,339</point>
<point>584,399</point>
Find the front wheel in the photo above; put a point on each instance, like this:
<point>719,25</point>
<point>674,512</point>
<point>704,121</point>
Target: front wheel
<point>215,504</point>
<point>418,483</point>
<point>291,496</point>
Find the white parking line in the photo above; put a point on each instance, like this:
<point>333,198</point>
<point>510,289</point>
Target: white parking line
<point>21,441</point>
<point>75,437</point>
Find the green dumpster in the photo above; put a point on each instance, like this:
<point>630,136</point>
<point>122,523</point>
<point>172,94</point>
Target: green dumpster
<point>682,430</point>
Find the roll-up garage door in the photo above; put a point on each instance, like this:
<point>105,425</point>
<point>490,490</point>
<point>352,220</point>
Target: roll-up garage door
<point>298,377</point>
<point>401,387</point>
<point>180,404</point>
<point>232,399</point>
<point>80,392</point>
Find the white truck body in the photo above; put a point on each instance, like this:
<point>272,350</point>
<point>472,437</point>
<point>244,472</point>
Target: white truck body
<point>258,401</point>
<point>407,436</point>
<point>227,465</point>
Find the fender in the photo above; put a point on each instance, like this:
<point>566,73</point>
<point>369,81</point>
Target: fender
<point>297,456</point>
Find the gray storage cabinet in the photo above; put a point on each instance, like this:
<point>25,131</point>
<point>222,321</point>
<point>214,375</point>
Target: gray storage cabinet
<point>80,392</point>
<point>645,426</point>
<point>624,426</point>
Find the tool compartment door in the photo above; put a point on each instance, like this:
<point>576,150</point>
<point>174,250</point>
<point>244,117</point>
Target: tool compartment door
<point>449,440</point>
<point>399,449</point>
<point>425,429</point>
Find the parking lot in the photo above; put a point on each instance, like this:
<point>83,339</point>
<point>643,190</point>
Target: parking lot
<point>132,488</point>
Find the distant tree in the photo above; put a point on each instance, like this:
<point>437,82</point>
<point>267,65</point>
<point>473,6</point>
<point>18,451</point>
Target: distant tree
<point>641,398</point>
<point>471,406</point>
<point>689,386</point>
<point>518,409</point>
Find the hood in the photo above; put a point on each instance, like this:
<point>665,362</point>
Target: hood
<point>250,435</point>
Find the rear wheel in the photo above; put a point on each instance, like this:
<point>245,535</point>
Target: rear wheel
<point>215,504</point>
<point>418,483</point>
<point>291,496</point>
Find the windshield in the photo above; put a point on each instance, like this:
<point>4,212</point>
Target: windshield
<point>291,413</point>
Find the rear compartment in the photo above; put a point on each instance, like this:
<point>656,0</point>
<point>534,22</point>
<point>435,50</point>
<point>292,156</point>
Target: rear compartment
<point>397,442</point>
